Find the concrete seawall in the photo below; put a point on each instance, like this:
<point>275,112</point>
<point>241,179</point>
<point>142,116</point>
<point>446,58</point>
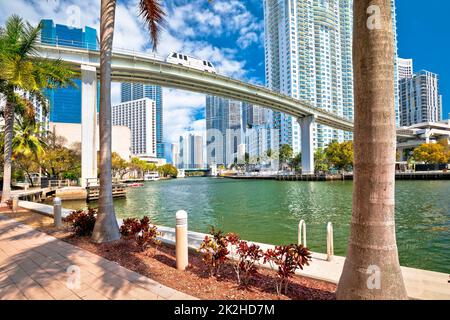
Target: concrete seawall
<point>345,177</point>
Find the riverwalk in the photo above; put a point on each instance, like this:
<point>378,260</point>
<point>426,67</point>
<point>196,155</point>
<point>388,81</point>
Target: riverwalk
<point>36,266</point>
<point>420,284</point>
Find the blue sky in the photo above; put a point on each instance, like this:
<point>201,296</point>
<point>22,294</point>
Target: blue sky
<point>230,34</point>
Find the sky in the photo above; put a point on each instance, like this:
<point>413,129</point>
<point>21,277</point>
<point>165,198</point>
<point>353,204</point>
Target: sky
<point>230,33</point>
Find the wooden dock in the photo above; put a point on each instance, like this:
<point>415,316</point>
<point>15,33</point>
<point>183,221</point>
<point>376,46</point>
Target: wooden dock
<point>93,190</point>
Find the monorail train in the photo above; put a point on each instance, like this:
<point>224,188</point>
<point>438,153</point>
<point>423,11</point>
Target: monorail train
<point>192,62</point>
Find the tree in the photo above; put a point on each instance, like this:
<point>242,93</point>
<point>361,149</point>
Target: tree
<point>297,161</point>
<point>22,70</point>
<point>340,155</point>
<point>432,153</point>
<point>372,268</point>
<point>320,161</point>
<point>106,227</point>
<point>27,146</point>
<point>168,170</point>
<point>119,166</point>
<point>285,154</point>
<point>58,160</point>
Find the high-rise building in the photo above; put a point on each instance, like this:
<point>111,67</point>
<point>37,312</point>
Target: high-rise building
<point>175,154</point>
<point>140,117</point>
<point>65,103</point>
<point>135,91</point>
<point>308,54</point>
<point>405,68</point>
<point>191,151</point>
<point>224,130</point>
<point>420,100</point>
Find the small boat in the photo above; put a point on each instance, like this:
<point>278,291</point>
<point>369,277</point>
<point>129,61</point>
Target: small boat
<point>135,184</point>
<point>151,176</point>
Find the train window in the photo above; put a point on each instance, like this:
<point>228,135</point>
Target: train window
<point>204,63</point>
<point>174,55</point>
<point>209,64</point>
<point>185,58</point>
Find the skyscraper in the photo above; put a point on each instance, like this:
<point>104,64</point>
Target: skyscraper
<point>420,100</point>
<point>140,117</point>
<point>224,130</point>
<point>405,68</point>
<point>190,151</point>
<point>308,54</point>
<point>135,91</point>
<point>65,103</point>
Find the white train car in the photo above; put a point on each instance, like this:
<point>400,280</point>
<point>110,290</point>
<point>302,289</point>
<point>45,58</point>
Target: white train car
<point>192,62</point>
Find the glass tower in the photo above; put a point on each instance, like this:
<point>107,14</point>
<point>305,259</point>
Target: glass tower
<point>65,103</point>
<point>135,91</point>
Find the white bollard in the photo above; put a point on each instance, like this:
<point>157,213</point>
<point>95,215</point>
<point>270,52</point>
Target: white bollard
<point>302,230</point>
<point>330,242</point>
<point>57,212</point>
<point>15,203</point>
<point>181,238</point>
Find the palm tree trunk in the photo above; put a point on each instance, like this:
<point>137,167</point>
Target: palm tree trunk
<point>106,228</point>
<point>372,269</point>
<point>9,125</point>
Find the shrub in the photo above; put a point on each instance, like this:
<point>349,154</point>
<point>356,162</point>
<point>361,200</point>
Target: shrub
<point>248,257</point>
<point>288,259</point>
<point>132,226</point>
<point>144,233</point>
<point>82,222</point>
<point>147,237</point>
<point>214,251</point>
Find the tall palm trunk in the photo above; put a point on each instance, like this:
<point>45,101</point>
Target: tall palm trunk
<point>372,269</point>
<point>106,228</point>
<point>9,125</point>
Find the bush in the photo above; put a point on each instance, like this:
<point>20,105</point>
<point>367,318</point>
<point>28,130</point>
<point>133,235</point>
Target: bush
<point>288,259</point>
<point>133,226</point>
<point>214,251</point>
<point>144,233</point>
<point>147,237</point>
<point>82,222</point>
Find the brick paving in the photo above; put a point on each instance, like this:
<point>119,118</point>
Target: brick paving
<point>36,266</point>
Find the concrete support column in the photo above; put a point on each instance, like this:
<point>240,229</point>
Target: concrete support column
<point>306,130</point>
<point>88,123</point>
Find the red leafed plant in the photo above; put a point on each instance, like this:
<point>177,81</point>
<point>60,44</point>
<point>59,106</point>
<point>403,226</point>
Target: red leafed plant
<point>245,258</point>
<point>82,222</point>
<point>144,233</point>
<point>132,226</point>
<point>147,237</point>
<point>288,259</point>
<point>249,255</point>
<point>214,251</point>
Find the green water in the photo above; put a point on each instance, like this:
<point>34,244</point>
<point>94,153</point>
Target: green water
<point>269,212</point>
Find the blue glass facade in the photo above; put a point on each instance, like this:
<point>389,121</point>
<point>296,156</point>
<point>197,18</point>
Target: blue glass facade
<point>65,103</point>
<point>135,91</point>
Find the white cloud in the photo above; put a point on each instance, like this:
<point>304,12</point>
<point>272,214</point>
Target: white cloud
<point>180,108</point>
<point>188,25</point>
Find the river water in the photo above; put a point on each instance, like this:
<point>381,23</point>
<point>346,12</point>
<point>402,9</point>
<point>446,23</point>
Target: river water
<point>269,212</point>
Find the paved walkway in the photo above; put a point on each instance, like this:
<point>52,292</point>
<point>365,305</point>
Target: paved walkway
<point>34,265</point>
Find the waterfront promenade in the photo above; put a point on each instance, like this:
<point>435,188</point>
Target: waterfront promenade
<point>34,266</point>
<point>420,284</point>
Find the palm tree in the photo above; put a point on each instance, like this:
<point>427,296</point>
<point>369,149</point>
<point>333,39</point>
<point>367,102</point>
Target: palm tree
<point>23,71</point>
<point>372,269</point>
<point>106,228</point>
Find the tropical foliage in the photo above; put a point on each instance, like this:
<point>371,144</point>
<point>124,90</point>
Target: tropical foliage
<point>433,153</point>
<point>23,71</point>
<point>340,155</point>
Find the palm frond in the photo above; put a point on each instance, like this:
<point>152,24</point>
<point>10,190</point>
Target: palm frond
<point>154,16</point>
<point>29,39</point>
